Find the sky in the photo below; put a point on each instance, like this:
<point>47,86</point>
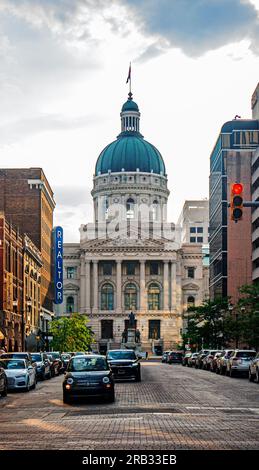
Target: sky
<point>63,71</point>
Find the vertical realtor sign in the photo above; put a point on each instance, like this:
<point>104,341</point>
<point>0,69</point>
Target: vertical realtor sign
<point>58,264</point>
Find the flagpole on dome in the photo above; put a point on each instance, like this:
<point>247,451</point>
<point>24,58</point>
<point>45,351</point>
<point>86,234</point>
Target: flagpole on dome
<point>129,80</point>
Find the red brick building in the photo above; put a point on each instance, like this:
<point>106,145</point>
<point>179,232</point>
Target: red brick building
<point>11,286</point>
<point>27,201</point>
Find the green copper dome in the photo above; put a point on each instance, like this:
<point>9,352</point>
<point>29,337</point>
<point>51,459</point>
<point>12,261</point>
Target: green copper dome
<point>129,106</point>
<point>129,153</point>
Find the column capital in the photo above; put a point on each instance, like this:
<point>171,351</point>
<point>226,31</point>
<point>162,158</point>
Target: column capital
<point>118,261</point>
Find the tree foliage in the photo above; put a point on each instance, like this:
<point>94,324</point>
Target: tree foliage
<point>217,323</point>
<point>71,333</point>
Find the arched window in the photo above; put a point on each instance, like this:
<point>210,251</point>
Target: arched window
<point>130,208</point>
<point>130,297</point>
<point>155,210</point>
<point>190,301</point>
<point>70,304</point>
<point>107,297</point>
<point>154,297</point>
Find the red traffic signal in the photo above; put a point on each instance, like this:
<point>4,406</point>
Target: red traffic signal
<point>236,204</point>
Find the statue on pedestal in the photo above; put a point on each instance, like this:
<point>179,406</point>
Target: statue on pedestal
<point>131,320</point>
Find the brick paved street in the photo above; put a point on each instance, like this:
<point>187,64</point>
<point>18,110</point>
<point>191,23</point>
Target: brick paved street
<point>174,407</point>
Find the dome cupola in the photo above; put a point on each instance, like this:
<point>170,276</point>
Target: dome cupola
<point>130,152</point>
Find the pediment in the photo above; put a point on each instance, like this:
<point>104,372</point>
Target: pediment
<point>71,286</point>
<point>190,286</point>
<point>129,243</point>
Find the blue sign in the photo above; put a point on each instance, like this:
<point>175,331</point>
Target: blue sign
<point>58,265</point>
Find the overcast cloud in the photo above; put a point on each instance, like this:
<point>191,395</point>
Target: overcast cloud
<point>63,70</point>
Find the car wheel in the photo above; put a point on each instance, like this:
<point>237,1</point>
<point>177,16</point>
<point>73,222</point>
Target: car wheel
<point>4,392</point>
<point>27,389</point>
<point>66,399</point>
<point>111,397</point>
<point>250,376</point>
<point>138,377</point>
<point>257,376</point>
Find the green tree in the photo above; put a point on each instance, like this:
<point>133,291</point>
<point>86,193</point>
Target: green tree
<point>248,307</point>
<point>210,324</point>
<point>71,333</point>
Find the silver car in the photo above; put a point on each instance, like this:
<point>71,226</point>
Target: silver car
<point>239,362</point>
<point>221,362</point>
<point>21,375</point>
<point>191,359</point>
<point>253,371</point>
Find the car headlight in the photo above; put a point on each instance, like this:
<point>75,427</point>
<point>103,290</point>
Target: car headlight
<point>106,380</point>
<point>135,365</point>
<point>70,380</point>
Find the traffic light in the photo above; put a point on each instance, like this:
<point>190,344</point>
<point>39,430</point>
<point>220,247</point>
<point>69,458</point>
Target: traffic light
<point>236,204</point>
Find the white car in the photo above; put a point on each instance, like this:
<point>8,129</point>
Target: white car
<point>21,375</point>
<point>239,362</point>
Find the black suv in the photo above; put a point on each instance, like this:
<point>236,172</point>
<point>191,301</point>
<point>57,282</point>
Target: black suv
<point>124,364</point>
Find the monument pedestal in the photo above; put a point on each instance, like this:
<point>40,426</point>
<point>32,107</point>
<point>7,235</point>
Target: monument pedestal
<point>131,341</point>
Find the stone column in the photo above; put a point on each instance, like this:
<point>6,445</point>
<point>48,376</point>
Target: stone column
<point>118,286</point>
<point>142,293</point>
<point>82,285</point>
<point>166,286</point>
<point>88,286</point>
<point>95,286</point>
<point>173,285</point>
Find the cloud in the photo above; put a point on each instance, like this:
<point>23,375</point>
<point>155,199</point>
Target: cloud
<point>72,196</point>
<point>196,26</point>
<point>14,131</point>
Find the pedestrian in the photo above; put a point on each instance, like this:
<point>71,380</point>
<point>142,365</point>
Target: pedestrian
<point>146,355</point>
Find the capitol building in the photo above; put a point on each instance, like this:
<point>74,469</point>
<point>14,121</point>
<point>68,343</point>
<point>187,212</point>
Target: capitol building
<point>130,258</point>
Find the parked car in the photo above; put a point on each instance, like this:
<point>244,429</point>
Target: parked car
<point>186,357</point>
<point>65,359</point>
<point>17,355</point>
<point>57,356</point>
<point>3,382</point>
<point>21,375</point>
<point>88,376</point>
<point>253,371</point>
<point>206,361</point>
<point>175,357</point>
<point>199,358</point>
<point>213,362</point>
<point>54,365</point>
<point>192,359</point>
<point>42,362</point>
<point>222,361</point>
<point>164,356</point>
<point>239,361</point>
<point>124,364</point>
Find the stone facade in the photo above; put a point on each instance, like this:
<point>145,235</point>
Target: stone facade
<point>131,258</point>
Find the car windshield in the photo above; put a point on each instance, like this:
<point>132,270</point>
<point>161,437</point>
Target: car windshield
<point>85,364</point>
<point>121,355</point>
<point>56,355</point>
<point>13,364</point>
<point>36,357</point>
<point>246,354</point>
